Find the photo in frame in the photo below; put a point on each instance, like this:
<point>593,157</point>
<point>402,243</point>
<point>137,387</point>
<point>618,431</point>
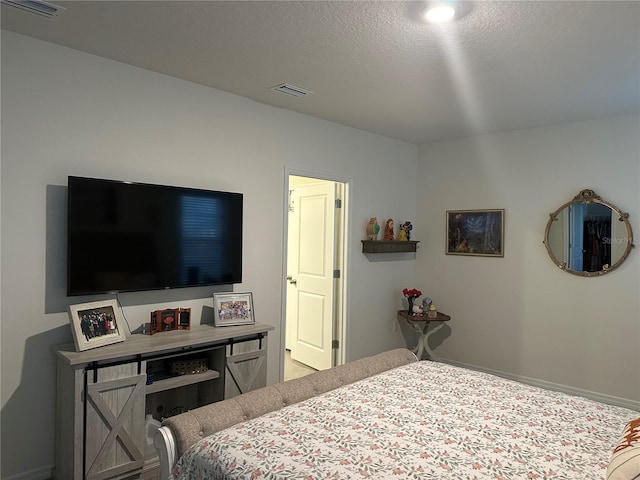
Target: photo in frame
<point>475,232</point>
<point>233,309</point>
<point>170,319</point>
<point>97,324</point>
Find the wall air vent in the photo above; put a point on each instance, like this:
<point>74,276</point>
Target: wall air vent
<point>291,90</point>
<point>37,7</point>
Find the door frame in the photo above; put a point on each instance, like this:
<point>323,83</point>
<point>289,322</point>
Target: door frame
<point>341,294</point>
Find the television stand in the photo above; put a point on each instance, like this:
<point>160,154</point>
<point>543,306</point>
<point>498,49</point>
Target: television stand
<point>104,394</point>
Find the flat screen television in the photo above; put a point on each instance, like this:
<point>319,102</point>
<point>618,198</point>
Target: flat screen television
<point>124,236</point>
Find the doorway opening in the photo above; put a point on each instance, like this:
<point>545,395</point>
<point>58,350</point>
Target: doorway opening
<point>315,279</point>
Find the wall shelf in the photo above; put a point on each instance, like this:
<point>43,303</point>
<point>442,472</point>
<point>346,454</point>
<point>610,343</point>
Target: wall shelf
<point>389,246</point>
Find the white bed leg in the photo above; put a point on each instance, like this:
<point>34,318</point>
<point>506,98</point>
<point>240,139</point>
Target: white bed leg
<point>166,448</point>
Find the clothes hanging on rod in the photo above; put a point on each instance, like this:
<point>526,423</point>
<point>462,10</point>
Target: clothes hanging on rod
<point>596,252</point>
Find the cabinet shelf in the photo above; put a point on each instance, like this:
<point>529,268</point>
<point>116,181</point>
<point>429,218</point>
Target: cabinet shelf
<point>389,246</point>
<point>180,381</point>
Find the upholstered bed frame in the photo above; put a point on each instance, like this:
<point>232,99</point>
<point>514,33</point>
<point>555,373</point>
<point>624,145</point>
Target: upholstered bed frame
<point>178,433</point>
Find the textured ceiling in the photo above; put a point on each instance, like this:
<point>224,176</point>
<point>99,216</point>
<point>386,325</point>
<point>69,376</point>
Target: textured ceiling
<point>373,65</point>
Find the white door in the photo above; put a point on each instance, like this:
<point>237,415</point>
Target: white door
<point>310,268</point>
<point>576,226</point>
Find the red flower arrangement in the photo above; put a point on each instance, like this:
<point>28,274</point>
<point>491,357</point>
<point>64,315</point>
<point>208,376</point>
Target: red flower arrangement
<point>411,294</point>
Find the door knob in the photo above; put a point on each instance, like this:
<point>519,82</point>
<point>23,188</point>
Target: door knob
<point>292,280</point>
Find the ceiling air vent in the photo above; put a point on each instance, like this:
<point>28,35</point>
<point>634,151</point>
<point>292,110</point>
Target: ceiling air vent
<point>288,89</point>
<point>37,7</point>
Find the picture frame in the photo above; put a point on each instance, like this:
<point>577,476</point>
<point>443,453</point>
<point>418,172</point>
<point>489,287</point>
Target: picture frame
<point>233,309</point>
<point>475,232</point>
<point>97,324</point>
<point>170,319</point>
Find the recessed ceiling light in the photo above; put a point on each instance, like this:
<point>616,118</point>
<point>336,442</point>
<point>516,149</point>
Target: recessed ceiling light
<point>439,13</point>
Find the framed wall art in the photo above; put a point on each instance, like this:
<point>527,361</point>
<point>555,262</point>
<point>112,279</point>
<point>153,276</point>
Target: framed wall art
<point>475,232</point>
<point>97,324</point>
<point>233,309</point>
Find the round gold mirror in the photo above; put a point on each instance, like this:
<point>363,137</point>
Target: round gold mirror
<point>588,236</point>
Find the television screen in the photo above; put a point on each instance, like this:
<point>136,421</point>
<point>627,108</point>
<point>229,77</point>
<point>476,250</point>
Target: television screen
<point>124,236</point>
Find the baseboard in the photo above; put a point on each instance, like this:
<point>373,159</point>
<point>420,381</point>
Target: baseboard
<point>595,396</point>
<point>42,473</point>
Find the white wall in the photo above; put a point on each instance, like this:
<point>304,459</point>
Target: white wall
<point>68,113</point>
<point>521,314</point>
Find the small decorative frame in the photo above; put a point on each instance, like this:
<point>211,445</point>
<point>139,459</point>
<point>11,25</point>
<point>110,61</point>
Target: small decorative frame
<point>475,232</point>
<point>97,324</point>
<point>233,309</point>
<point>170,319</point>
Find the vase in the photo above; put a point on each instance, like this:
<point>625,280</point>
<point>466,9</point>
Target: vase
<point>410,300</point>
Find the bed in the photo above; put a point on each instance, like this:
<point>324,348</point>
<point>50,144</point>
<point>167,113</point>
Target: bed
<point>391,416</point>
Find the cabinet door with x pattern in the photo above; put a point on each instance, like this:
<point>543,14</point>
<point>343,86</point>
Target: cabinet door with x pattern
<point>114,438</point>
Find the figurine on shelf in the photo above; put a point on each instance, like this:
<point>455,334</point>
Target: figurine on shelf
<point>426,301</point>
<point>373,228</point>
<point>417,309</point>
<point>406,227</point>
<point>388,229</point>
<point>432,312</point>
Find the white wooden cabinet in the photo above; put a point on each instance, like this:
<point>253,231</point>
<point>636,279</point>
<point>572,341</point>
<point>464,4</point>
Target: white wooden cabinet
<point>103,395</point>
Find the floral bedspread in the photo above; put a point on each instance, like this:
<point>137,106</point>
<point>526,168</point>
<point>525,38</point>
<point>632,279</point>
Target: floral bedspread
<point>424,420</point>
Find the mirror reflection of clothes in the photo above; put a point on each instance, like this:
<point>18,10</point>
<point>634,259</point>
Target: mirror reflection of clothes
<point>596,243</point>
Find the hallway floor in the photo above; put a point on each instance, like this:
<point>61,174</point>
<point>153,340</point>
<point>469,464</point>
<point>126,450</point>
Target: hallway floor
<point>293,369</point>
